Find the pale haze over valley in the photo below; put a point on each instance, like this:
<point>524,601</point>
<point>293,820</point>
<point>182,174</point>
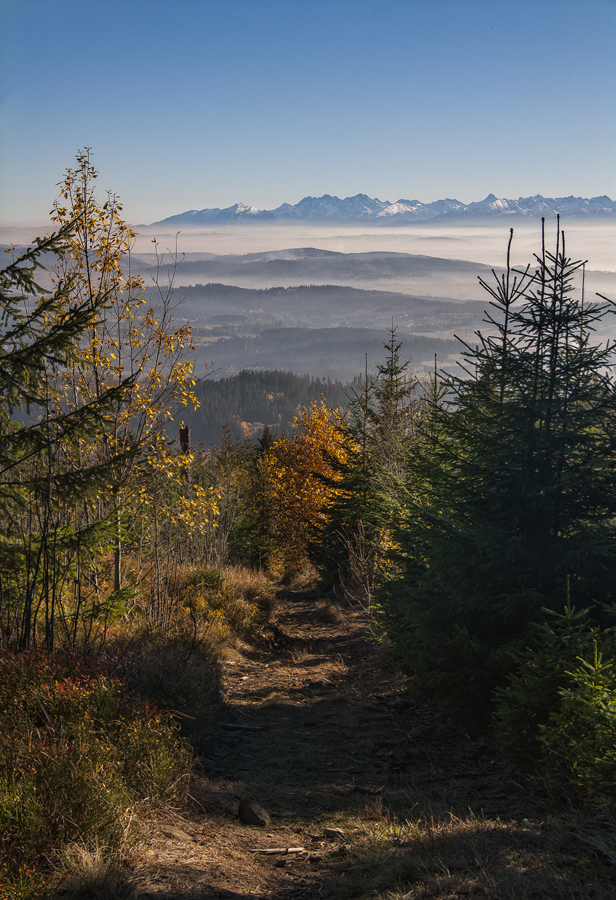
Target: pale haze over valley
<point>315,299</point>
<point>307,449</point>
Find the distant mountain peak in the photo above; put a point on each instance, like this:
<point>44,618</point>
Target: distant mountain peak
<point>361,209</point>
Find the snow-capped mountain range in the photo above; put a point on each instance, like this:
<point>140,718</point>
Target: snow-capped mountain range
<point>363,209</point>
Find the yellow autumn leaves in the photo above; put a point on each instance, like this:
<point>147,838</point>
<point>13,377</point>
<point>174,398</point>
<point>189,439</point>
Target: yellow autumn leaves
<point>303,478</point>
<point>137,347</point>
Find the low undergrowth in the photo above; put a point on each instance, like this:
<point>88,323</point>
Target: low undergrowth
<point>90,746</point>
<point>242,598</point>
<point>558,711</point>
<point>82,759</point>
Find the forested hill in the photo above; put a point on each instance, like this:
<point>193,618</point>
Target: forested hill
<point>245,403</point>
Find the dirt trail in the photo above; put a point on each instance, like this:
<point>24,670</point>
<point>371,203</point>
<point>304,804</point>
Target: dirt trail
<point>337,744</point>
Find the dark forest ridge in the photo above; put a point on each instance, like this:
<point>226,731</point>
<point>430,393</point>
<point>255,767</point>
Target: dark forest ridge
<point>319,305</point>
<point>361,208</point>
<point>408,273</point>
<point>335,353</point>
<point>325,330</point>
<point>320,259</point>
<point>245,403</point>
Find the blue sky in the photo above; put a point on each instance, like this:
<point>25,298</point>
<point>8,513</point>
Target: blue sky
<point>201,103</point>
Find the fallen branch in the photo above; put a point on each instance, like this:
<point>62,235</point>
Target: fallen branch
<point>279,850</point>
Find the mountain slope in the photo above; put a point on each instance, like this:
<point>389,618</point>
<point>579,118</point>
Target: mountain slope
<point>361,209</point>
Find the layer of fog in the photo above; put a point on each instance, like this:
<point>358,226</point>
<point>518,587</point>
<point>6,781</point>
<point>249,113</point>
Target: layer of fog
<point>483,243</point>
<point>275,332</point>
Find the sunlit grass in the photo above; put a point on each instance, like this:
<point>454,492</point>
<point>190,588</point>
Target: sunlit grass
<point>446,856</point>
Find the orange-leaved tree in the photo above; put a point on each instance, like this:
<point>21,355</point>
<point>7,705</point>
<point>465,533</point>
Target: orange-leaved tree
<point>303,480</point>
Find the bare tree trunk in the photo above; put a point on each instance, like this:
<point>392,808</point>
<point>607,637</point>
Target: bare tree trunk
<point>117,555</point>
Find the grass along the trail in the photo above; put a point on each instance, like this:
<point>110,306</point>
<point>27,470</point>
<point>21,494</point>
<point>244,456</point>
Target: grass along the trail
<point>93,747</point>
<point>81,758</point>
<point>387,798</point>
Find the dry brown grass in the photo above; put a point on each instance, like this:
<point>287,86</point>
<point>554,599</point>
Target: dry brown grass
<point>246,598</point>
<point>91,875</point>
<point>300,578</point>
<point>178,668</point>
<point>328,612</point>
<point>227,603</point>
<point>447,857</point>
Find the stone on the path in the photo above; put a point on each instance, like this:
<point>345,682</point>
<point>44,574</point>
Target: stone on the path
<point>252,813</point>
<point>173,832</point>
<point>334,833</point>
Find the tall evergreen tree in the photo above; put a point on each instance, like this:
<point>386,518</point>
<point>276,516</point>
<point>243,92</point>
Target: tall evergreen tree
<point>374,434</point>
<point>43,534</point>
<point>393,391</point>
<point>254,537</point>
<point>354,519</point>
<point>395,410</point>
<point>512,485</point>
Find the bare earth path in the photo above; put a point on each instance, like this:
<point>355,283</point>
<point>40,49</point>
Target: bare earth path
<point>421,809</point>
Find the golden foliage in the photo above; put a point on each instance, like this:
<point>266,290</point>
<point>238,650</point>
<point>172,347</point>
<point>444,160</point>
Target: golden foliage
<point>303,478</point>
<point>135,338</point>
<point>136,347</point>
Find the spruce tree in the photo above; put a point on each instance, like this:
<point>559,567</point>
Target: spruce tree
<point>353,518</point>
<point>44,534</point>
<point>393,417</point>
<point>512,485</point>
<point>255,538</point>
<point>361,517</point>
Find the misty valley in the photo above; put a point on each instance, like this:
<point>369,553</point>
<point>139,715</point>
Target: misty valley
<point>320,312</point>
<point>308,450</point>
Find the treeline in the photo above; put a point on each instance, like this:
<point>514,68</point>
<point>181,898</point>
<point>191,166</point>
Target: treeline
<point>486,521</point>
<point>244,404</point>
<point>114,596</point>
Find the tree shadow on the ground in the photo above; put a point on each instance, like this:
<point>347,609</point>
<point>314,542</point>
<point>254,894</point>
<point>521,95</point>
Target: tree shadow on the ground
<point>323,733</point>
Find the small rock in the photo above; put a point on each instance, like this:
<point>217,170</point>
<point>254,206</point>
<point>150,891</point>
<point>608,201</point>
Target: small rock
<point>334,833</point>
<point>177,833</point>
<point>252,813</point>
